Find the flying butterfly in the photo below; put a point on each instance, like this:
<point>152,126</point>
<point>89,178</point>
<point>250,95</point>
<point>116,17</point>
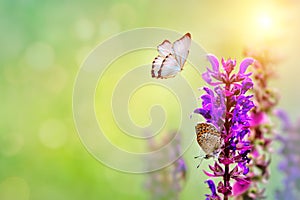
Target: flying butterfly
<point>209,139</point>
<point>171,58</point>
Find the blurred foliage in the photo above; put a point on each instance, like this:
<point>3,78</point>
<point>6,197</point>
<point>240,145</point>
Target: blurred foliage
<point>43,43</point>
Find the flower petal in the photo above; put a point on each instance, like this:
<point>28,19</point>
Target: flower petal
<point>211,186</point>
<point>258,118</point>
<point>209,174</point>
<point>245,64</point>
<point>246,85</point>
<point>214,62</point>
<point>206,77</point>
<point>240,186</point>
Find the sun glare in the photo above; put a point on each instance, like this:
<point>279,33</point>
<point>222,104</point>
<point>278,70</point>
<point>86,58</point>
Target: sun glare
<point>266,24</point>
<point>265,21</point>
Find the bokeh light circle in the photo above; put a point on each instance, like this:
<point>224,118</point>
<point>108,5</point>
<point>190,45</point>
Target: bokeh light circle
<point>91,72</point>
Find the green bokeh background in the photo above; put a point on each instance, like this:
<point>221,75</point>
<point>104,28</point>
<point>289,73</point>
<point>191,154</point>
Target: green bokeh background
<point>43,43</point>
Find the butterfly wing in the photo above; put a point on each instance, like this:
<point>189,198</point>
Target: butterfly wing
<point>208,137</point>
<point>172,57</point>
<point>169,67</point>
<point>156,64</point>
<point>165,48</point>
<point>211,144</point>
<point>181,49</point>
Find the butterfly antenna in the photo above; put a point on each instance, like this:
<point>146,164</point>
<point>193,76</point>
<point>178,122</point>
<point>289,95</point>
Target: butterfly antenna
<point>201,159</point>
<point>200,163</point>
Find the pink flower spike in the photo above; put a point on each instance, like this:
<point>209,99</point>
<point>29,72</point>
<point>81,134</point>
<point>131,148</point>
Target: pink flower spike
<point>258,119</point>
<point>240,186</point>
<point>214,62</point>
<point>245,64</point>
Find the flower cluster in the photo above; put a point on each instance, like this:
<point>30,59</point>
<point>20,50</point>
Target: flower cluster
<point>168,182</point>
<point>290,155</point>
<point>262,130</point>
<point>227,106</point>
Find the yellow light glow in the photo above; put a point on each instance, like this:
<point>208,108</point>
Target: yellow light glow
<point>266,24</point>
<point>265,21</point>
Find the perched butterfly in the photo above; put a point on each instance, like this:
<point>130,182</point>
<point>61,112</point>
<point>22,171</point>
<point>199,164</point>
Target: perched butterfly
<point>171,57</point>
<point>209,139</point>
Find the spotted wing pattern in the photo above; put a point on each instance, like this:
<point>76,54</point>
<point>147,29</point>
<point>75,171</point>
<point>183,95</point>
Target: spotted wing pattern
<point>209,138</point>
<point>156,64</point>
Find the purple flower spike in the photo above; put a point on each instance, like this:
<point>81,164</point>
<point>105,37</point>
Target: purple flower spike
<point>286,122</point>
<point>168,182</point>
<point>181,167</point>
<point>290,158</point>
<point>228,107</point>
<point>212,187</point>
